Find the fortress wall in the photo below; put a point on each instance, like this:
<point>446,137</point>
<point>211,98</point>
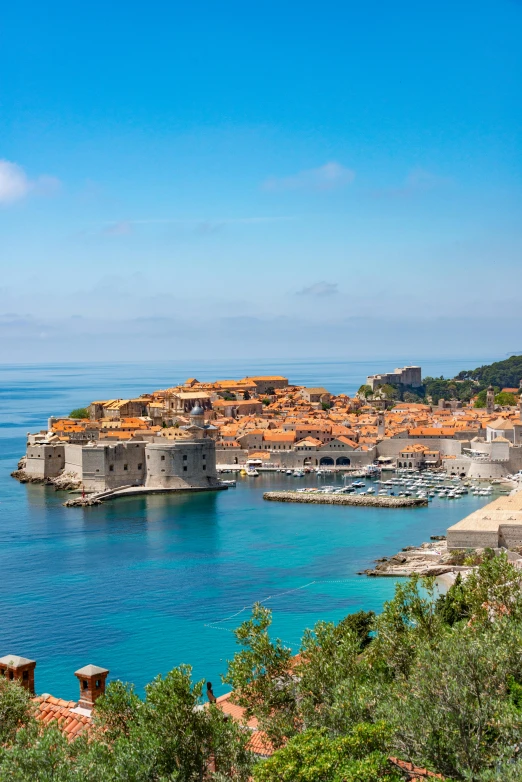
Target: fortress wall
<point>110,466</point>
<point>464,539</point>
<point>181,465</point>
<point>73,460</point>
<point>44,461</point>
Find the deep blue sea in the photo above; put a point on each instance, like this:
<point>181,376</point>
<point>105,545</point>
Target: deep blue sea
<point>141,585</point>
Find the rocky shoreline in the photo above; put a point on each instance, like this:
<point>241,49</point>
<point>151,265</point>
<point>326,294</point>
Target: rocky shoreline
<point>63,482</point>
<point>345,499</point>
<point>428,559</point>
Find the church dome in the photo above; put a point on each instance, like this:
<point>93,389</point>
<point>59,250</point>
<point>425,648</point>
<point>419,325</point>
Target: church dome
<point>197,410</point>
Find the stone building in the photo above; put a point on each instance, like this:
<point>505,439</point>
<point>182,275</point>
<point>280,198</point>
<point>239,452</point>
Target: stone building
<point>156,463</point>
<point>407,376</point>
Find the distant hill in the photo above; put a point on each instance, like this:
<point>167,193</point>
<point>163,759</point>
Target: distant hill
<point>501,374</point>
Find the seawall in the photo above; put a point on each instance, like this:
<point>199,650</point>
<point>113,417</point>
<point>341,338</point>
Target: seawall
<point>344,499</point>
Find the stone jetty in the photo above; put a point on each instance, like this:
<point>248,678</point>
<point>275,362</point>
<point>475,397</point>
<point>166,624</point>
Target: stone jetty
<point>368,501</point>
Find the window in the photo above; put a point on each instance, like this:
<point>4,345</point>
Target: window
<point>185,468</point>
<point>125,466</point>
<point>185,458</point>
<point>204,466</point>
<point>163,458</point>
<point>97,684</point>
<point>111,467</point>
<point>204,456</point>
<point>85,684</point>
<point>25,676</point>
<point>140,465</point>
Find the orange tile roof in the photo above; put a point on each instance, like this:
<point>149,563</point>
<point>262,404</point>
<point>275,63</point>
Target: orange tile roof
<point>51,709</point>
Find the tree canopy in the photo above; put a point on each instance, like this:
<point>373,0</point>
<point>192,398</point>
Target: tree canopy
<point>79,412</point>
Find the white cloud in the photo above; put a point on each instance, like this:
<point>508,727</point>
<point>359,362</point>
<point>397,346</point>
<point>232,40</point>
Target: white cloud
<point>15,184</point>
<point>326,177</point>
<point>320,289</point>
<point>418,181</point>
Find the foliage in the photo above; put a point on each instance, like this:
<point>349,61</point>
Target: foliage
<point>411,397</point>
<point>79,412</point>
<point>326,405</point>
<point>262,679</point>
<point>266,401</point>
<point>14,708</point>
<point>453,712</point>
<point>365,391</point>
<point>503,374</point>
<point>389,392</point>
<point>166,736</point>
<point>433,679</point>
<point>504,399</point>
<point>313,756</point>
<point>481,398</point>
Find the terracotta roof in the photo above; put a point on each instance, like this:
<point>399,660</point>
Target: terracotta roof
<point>414,773</point>
<point>51,709</point>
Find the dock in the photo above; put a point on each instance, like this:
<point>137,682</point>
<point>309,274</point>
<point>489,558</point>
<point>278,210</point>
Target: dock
<point>345,499</point>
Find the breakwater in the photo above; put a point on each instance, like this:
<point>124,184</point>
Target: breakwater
<point>344,499</point>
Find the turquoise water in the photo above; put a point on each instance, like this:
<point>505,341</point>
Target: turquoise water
<point>143,584</point>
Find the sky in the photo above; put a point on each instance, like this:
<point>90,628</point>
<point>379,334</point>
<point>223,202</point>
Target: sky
<point>260,178</point>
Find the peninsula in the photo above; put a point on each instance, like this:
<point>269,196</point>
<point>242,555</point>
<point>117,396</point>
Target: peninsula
<point>178,438</point>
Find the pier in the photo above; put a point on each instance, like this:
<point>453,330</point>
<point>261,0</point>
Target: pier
<point>345,499</point>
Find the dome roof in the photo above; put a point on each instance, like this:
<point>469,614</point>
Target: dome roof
<point>197,410</point>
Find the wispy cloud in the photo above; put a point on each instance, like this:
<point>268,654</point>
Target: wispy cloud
<point>122,228</point>
<point>418,181</point>
<point>320,289</point>
<point>327,177</point>
<point>16,185</point>
<point>200,226</point>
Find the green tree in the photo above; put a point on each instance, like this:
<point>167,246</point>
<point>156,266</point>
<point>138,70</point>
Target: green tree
<point>262,678</point>
<point>15,708</point>
<point>79,412</point>
<point>313,756</point>
<point>454,712</point>
<point>504,398</point>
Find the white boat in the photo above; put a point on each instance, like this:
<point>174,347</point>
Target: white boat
<point>252,473</point>
<point>289,472</point>
<point>298,474</point>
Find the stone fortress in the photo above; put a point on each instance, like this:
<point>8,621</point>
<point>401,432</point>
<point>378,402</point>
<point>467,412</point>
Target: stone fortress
<point>406,376</point>
<point>154,463</point>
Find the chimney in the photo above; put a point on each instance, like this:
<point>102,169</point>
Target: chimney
<point>18,669</point>
<point>92,684</point>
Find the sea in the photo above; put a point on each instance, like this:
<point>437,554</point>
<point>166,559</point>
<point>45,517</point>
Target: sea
<point>141,585</point>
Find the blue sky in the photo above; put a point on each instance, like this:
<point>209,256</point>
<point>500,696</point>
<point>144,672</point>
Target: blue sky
<point>260,178</point>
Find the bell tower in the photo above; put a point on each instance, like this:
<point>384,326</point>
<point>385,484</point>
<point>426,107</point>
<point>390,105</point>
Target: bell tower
<point>490,399</point>
<point>381,428</point>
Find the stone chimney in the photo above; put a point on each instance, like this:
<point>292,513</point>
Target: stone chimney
<point>18,669</point>
<point>92,684</point>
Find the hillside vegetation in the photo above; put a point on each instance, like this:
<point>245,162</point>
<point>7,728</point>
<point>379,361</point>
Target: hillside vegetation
<point>432,680</point>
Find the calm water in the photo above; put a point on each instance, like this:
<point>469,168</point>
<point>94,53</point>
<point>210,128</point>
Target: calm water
<point>140,585</point>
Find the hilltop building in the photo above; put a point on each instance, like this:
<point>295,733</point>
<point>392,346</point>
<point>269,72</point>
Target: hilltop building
<point>407,376</point>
